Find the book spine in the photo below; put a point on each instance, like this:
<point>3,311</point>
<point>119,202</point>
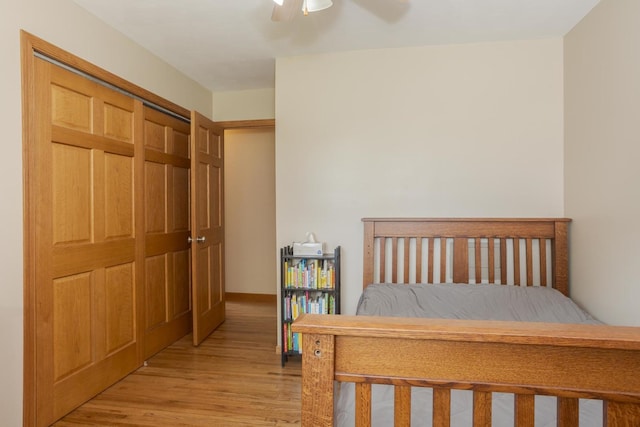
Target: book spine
<point>290,339</point>
<point>285,337</point>
<point>294,307</point>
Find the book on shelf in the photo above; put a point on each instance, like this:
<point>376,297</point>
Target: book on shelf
<point>309,273</point>
<point>291,341</point>
<point>313,302</point>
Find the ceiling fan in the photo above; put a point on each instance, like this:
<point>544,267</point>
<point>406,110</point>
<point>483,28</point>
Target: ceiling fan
<point>286,10</point>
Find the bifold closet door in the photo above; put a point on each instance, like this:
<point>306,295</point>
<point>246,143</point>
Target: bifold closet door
<point>115,191</point>
<point>167,285</point>
<point>207,213</point>
<point>87,256</point>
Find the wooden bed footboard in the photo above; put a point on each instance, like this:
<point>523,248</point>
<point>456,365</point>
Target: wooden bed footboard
<point>527,359</point>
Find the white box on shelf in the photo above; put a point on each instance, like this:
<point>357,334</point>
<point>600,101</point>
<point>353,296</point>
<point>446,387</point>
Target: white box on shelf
<point>307,249</point>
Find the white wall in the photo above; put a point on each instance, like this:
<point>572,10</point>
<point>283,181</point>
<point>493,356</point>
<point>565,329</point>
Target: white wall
<point>244,105</point>
<point>466,130</point>
<point>63,23</point>
<point>250,211</point>
<point>602,150</point>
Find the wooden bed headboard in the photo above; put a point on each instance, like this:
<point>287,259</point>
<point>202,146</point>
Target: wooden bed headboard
<point>518,251</point>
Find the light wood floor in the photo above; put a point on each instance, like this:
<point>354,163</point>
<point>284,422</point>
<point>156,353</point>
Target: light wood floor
<point>234,378</point>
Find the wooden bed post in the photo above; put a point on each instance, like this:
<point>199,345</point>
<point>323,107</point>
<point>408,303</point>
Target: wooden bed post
<point>317,382</point>
<point>368,253</point>
<point>621,414</point>
<point>561,256</point>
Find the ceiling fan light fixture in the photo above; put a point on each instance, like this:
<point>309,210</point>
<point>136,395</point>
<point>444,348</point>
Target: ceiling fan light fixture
<point>316,5</point>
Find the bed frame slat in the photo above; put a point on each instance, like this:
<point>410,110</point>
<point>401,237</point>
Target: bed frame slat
<point>492,260</point>
<point>524,410</point>
<point>443,260</point>
<point>543,262</point>
<point>383,260</point>
<point>516,261</point>
<point>478,259</point>
<point>363,405</point>
<point>481,409</point>
<point>407,249</point>
<point>430,261</point>
<point>402,406</point>
<point>503,261</point>
<point>461,260</point>
<point>568,412</point>
<point>529,262</point>
<point>394,259</point>
<point>419,260</point>
<point>441,407</point>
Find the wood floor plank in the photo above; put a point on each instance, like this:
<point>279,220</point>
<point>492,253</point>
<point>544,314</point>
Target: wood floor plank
<point>234,378</point>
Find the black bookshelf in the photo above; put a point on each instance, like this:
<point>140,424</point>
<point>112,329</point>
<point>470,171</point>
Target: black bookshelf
<point>308,284</point>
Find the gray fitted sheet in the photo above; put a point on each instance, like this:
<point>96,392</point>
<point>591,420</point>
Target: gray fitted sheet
<point>474,302</point>
<point>462,301</point>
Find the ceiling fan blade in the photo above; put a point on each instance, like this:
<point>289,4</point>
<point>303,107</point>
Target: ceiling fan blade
<point>286,12</point>
<point>387,10</point>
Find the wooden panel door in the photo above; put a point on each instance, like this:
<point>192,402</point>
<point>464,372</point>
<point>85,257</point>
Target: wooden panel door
<point>86,255</point>
<point>207,213</point>
<point>167,285</point>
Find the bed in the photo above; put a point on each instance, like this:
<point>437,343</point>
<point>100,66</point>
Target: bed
<point>485,359</point>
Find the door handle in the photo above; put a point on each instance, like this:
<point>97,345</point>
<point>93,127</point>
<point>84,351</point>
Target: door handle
<point>199,239</point>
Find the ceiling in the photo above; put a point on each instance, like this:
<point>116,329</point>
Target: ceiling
<point>230,45</point>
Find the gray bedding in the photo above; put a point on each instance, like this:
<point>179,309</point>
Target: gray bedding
<point>476,302</point>
<point>461,301</point>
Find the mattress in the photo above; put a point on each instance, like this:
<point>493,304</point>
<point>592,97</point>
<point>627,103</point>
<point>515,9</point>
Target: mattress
<point>473,302</point>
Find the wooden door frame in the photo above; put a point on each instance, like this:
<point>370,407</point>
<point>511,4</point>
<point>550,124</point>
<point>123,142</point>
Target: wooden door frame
<point>257,124</point>
<point>248,124</point>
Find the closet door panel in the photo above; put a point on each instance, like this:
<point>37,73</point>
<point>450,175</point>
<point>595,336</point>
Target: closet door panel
<point>155,197</point>
<point>155,285</point>
<point>72,194</point>
<point>119,306</point>
<point>118,196</point>
<point>85,257</point>
<point>181,199</point>
<point>167,223</point>
<point>72,326</point>
<point>154,137</point>
<point>207,213</point>
<point>71,108</point>
<point>181,144</point>
<point>182,274</point>
<point>118,123</point>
